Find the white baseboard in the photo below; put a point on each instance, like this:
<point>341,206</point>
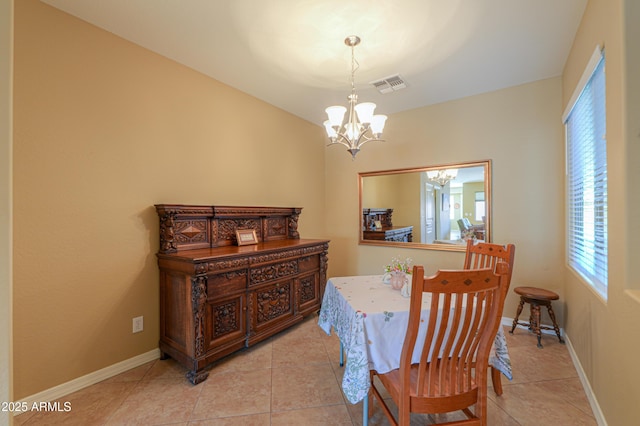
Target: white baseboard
<point>595,407</point>
<point>74,385</point>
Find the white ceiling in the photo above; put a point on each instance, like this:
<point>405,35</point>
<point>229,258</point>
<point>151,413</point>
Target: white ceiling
<point>291,53</point>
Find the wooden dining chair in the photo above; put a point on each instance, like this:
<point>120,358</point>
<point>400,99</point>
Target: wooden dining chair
<point>451,372</point>
<point>485,255</point>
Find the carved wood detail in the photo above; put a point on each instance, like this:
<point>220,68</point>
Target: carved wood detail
<point>307,289</point>
<point>191,231</point>
<point>272,272</point>
<point>214,226</point>
<point>198,299</point>
<point>167,243</point>
<point>274,302</point>
<point>227,228</point>
<point>225,318</point>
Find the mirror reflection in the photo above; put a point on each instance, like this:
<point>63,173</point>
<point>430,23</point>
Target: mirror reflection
<point>437,207</point>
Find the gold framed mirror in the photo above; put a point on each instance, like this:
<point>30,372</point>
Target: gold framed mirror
<point>436,207</point>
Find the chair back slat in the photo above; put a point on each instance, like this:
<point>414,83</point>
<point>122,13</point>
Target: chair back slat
<point>486,255</point>
<point>464,311</point>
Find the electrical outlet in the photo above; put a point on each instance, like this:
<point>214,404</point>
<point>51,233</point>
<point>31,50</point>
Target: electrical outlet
<point>138,324</point>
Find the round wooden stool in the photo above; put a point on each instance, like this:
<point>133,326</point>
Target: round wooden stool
<point>536,297</point>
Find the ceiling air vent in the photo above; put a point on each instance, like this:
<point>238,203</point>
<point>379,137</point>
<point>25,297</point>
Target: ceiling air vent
<point>389,84</point>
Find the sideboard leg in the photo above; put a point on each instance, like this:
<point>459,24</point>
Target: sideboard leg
<point>196,377</point>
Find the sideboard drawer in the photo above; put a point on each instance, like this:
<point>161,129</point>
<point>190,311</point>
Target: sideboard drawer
<point>264,273</point>
<point>309,263</point>
<point>220,285</point>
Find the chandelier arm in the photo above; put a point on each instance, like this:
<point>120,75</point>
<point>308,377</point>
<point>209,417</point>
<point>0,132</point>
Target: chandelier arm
<point>342,140</point>
<point>367,139</point>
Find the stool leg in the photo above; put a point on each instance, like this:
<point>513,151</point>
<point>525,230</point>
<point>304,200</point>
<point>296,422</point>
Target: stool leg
<point>535,315</point>
<point>555,324</point>
<point>518,312</point>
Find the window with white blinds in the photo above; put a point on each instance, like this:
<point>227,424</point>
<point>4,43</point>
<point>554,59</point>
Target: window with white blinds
<point>585,122</point>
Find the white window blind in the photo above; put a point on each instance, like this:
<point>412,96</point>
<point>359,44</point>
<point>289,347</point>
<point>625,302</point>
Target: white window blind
<point>587,243</point>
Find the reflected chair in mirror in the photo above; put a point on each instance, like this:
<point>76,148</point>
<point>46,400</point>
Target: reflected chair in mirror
<point>486,255</point>
<point>444,368</point>
<point>466,226</point>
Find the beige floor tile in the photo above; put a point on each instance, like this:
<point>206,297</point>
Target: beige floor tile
<point>158,401</point>
<point>234,393</point>
<point>570,390</point>
<point>533,364</point>
<point>307,329</point>
<point>254,358</point>
<point>90,406</point>
<point>529,403</point>
<point>299,351</point>
<point>166,369</point>
<point>302,387</point>
<point>335,415</point>
<point>262,419</point>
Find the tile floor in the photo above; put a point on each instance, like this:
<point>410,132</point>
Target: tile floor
<point>294,378</point>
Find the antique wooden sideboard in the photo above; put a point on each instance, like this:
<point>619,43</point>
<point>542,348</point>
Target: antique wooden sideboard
<point>217,297</point>
<point>387,232</point>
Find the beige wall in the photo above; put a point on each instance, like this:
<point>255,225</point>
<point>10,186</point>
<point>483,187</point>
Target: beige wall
<point>519,129</point>
<point>104,130</point>
<point>605,334</point>
<point>6,98</point>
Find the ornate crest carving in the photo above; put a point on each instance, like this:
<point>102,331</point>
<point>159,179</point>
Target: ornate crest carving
<point>273,302</point>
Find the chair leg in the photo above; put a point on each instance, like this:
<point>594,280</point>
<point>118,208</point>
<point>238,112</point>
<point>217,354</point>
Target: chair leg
<point>496,380</point>
<point>518,312</point>
<point>535,322</point>
<point>552,315</point>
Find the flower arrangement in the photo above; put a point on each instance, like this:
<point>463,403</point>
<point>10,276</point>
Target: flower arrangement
<point>398,265</point>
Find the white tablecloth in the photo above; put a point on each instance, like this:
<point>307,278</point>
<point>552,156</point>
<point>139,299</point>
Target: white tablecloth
<point>371,318</point>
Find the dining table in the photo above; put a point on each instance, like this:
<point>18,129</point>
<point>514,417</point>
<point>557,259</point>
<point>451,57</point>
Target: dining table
<point>370,318</point>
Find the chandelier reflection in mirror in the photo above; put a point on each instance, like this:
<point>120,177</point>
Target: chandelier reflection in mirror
<point>442,176</point>
<point>361,126</point>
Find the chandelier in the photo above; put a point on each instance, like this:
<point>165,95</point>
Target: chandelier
<point>442,176</point>
<point>361,126</point>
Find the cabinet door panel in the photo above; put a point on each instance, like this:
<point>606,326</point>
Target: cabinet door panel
<point>271,304</point>
<point>308,292</point>
<point>226,321</point>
